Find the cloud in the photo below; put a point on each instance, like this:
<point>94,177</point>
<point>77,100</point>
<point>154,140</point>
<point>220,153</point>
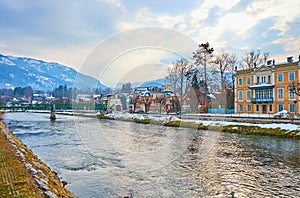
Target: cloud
<point>67,31</point>
<point>116,3</point>
<point>120,53</point>
<point>31,28</point>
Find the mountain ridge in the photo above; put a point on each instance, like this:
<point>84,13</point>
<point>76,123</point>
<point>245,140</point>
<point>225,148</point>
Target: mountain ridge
<point>42,75</point>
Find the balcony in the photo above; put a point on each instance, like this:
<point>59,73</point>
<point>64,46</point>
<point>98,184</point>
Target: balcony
<point>261,86</point>
<point>262,100</point>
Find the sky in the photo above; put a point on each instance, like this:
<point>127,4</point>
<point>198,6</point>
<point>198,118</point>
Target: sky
<point>104,38</point>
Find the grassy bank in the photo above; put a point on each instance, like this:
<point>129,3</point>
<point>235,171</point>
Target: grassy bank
<point>22,174</point>
<point>255,130</point>
<point>240,129</point>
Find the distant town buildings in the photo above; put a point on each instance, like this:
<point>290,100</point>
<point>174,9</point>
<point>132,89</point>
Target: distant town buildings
<point>153,99</point>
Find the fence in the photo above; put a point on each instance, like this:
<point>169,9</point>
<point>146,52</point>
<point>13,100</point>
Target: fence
<point>221,111</point>
<point>97,107</point>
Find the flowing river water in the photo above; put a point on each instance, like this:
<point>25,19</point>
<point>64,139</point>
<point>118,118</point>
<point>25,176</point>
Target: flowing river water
<point>107,158</point>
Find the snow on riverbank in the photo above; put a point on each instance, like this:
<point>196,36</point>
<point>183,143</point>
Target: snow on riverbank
<point>143,117</point>
<point>168,118</point>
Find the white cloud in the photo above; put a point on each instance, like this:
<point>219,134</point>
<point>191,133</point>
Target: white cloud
<point>145,17</point>
<point>284,10</point>
<point>136,65</point>
<point>168,21</point>
<point>70,34</point>
<point>116,3</point>
<point>291,45</point>
<point>202,11</point>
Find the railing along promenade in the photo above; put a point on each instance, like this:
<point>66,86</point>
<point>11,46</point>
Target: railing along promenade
<point>58,107</point>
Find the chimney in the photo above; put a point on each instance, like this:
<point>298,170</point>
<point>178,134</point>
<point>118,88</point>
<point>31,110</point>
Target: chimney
<point>289,59</point>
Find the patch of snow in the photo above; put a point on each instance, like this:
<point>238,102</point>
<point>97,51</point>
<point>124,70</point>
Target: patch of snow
<point>50,194</point>
<point>6,61</point>
<point>288,127</point>
<point>31,74</point>
<point>169,118</point>
<point>42,79</point>
<point>33,62</point>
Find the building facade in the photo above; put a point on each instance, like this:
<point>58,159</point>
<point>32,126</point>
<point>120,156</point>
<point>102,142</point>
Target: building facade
<point>268,89</point>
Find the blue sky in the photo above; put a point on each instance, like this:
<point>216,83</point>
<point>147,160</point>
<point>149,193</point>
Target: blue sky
<point>68,31</point>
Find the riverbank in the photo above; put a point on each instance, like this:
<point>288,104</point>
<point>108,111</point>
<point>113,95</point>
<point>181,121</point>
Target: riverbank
<point>22,174</point>
<point>281,130</point>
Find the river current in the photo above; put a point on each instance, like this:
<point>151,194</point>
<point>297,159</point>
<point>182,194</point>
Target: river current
<point>108,158</point>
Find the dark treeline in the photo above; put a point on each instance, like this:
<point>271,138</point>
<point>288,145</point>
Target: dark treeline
<point>17,92</point>
<point>64,91</point>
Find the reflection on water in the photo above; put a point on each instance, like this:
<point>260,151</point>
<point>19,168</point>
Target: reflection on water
<point>117,159</point>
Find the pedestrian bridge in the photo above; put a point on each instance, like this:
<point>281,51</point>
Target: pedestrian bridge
<point>58,107</point>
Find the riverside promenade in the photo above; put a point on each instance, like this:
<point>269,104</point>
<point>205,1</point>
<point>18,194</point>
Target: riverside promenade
<point>22,174</point>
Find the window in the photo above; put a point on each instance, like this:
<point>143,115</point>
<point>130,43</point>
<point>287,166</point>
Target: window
<point>269,79</point>
<point>280,107</point>
<point>263,79</point>
<point>258,94</point>
<point>291,76</point>
<point>292,107</point>
<point>248,94</point>
<point>280,78</point>
<point>280,92</point>
<point>249,107</point>
<point>240,95</point>
<point>240,81</point>
<point>270,93</point>
<point>248,81</point>
<point>257,80</point>
<point>257,107</point>
<point>241,109</point>
<point>291,94</point>
<point>270,108</point>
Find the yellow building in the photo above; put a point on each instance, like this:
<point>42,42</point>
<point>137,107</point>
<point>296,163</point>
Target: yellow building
<point>268,89</point>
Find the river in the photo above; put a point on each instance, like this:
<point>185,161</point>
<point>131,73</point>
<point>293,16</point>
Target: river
<point>107,158</point>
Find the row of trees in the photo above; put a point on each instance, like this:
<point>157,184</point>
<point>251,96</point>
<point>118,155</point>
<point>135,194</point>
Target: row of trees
<point>17,92</point>
<point>197,79</point>
<point>59,92</point>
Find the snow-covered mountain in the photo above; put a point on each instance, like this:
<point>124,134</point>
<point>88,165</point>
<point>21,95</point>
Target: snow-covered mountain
<point>150,83</point>
<point>40,75</point>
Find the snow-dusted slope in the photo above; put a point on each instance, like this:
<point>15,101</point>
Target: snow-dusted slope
<point>40,75</point>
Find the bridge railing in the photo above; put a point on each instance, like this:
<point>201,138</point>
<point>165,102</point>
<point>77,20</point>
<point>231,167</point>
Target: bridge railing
<point>97,107</point>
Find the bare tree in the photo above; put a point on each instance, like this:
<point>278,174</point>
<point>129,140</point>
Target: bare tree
<point>295,87</point>
<point>224,62</point>
<point>253,59</point>
<point>177,76</point>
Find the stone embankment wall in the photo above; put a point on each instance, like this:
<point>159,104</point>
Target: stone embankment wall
<point>23,174</point>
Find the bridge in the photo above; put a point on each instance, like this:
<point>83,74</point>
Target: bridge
<point>58,107</point>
